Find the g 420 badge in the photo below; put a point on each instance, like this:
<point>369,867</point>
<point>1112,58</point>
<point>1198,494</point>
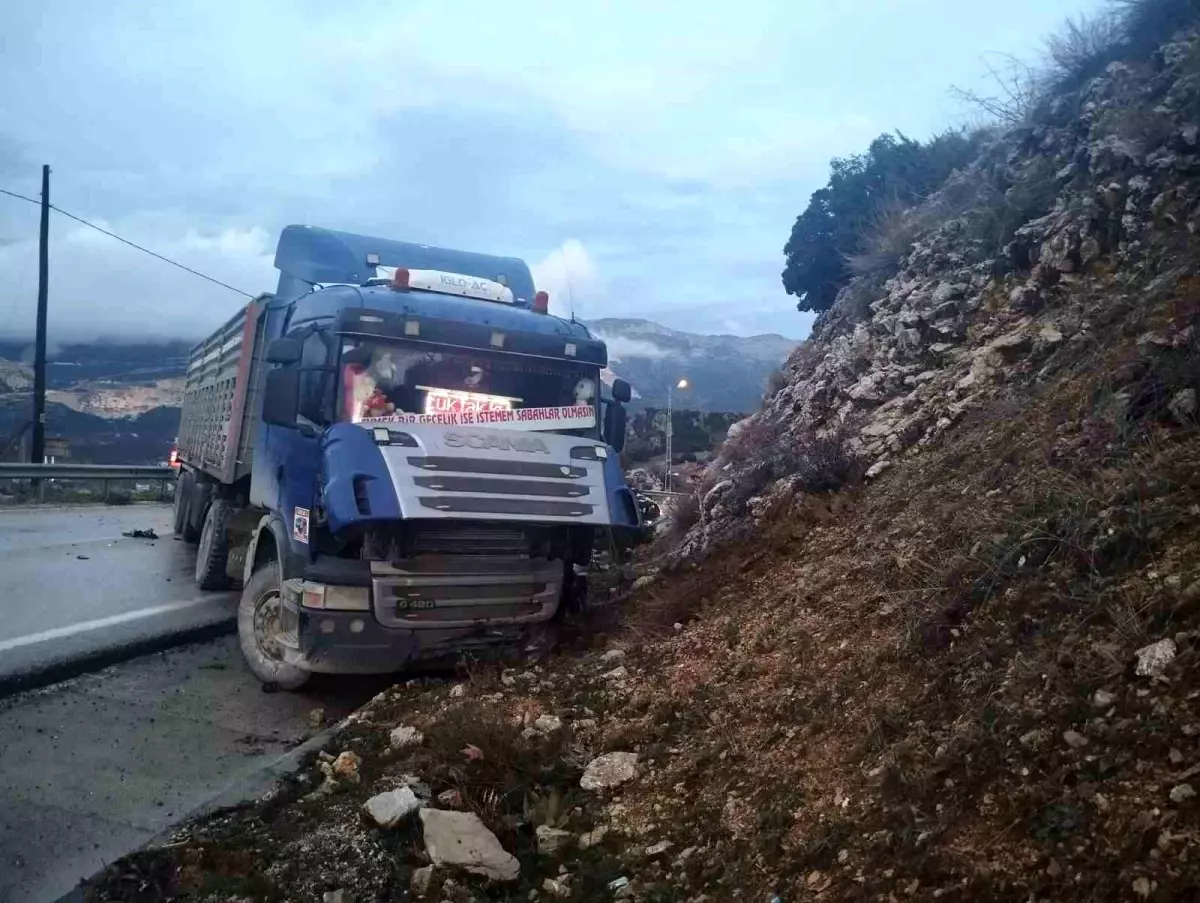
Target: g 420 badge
<point>300,525</point>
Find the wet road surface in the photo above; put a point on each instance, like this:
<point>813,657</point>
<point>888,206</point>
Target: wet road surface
<point>99,765</point>
<point>72,586</point>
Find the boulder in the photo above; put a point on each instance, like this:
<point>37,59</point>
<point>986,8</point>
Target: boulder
<point>389,809</point>
<point>552,840</point>
<point>461,840</point>
<point>609,770</point>
<point>405,736</point>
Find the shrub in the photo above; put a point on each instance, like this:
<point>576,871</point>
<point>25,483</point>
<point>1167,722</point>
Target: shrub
<point>1002,209</point>
<point>682,515</point>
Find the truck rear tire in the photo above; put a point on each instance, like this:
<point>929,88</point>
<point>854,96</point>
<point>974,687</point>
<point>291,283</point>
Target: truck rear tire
<point>184,487</point>
<point>258,629</point>
<point>213,553</point>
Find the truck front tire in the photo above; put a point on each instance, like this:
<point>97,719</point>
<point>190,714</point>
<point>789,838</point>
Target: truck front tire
<point>213,553</point>
<point>258,629</point>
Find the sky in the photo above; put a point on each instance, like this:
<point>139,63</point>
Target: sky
<point>648,160</point>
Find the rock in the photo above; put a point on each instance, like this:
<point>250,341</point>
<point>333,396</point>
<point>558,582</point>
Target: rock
<point>316,717</point>
<point>452,799</point>
<point>618,673</point>
<point>548,724</point>
<point>458,691</point>
<point>609,770</point>
<point>643,582</point>
<point>593,837</point>
<point>1048,335</point>
<point>1032,739</point>
<point>877,468</point>
<point>421,880</point>
<point>461,840</point>
<point>391,808</point>
<point>1181,793</point>
<point>558,887</point>
<point>405,736</point>
<point>552,840</point>
<point>1141,887</point>
<point>336,896</point>
<point>659,848</point>
<point>618,883</point>
<point>1102,699</point>
<point>1074,739</point>
<point>1025,298</point>
<point>613,655</point>
<point>345,767</point>
<point>1152,660</point>
<point>1183,406</point>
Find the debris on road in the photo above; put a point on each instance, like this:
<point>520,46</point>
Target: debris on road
<point>141,534</point>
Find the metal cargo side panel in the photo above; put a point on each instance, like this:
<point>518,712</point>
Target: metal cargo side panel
<point>214,402</point>
<point>252,375</point>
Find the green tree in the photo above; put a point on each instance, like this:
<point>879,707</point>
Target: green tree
<point>894,170</point>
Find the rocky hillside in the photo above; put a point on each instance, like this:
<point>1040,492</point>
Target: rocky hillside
<point>724,372</point>
<point>935,634</point>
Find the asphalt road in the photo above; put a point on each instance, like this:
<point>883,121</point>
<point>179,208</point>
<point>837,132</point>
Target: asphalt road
<point>72,587</point>
<point>95,767</point>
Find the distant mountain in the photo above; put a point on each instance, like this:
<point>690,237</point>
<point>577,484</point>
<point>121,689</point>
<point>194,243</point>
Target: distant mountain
<point>724,372</point>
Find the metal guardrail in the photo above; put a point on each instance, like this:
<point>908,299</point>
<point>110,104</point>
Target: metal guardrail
<point>659,494</point>
<point>85,472</point>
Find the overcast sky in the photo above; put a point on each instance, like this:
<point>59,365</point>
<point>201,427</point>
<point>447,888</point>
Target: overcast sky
<point>657,152</point>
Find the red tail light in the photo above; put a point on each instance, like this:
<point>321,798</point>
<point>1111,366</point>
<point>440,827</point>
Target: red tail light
<point>400,279</point>
<point>173,460</point>
<point>541,302</point>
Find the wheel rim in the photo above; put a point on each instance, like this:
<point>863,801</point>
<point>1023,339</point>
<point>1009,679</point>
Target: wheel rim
<point>266,626</point>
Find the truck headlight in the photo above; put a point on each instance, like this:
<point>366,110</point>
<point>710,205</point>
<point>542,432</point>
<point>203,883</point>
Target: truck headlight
<point>335,598</point>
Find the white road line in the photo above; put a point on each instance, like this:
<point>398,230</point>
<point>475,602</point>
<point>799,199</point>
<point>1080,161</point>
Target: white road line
<point>99,623</point>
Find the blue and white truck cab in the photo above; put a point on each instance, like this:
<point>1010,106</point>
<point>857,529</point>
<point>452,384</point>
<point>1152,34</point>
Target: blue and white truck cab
<point>400,455</point>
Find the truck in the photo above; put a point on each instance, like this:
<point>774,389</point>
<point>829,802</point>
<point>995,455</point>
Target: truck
<point>400,456</point>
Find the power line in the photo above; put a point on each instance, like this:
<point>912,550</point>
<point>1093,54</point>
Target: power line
<point>131,244</point>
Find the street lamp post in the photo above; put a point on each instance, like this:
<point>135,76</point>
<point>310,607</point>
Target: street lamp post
<point>682,384</point>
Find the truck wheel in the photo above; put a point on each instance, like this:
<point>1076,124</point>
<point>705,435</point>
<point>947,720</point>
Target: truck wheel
<point>213,553</point>
<point>180,511</point>
<point>183,493</point>
<point>258,630</point>
<point>192,495</point>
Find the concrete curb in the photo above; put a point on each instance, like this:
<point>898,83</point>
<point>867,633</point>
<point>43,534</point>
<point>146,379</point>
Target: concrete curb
<point>245,789</point>
<point>56,672</point>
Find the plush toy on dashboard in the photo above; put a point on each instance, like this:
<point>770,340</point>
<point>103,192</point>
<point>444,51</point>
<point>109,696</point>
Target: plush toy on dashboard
<point>377,404</point>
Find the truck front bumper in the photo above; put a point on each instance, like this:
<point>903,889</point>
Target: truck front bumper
<point>329,641</point>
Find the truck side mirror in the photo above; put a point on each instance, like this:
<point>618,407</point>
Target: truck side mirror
<point>283,351</point>
<point>281,397</point>
<point>621,391</point>
<point>614,425</point>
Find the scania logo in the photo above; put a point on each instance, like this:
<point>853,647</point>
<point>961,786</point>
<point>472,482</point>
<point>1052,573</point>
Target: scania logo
<point>494,440</point>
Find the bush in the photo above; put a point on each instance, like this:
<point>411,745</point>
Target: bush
<point>1002,209</point>
<point>682,515</point>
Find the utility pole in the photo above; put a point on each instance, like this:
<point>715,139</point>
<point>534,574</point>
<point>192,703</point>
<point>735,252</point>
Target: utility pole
<point>670,435</point>
<point>37,452</point>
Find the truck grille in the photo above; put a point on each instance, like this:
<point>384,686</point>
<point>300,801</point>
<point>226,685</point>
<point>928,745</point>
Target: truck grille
<point>449,538</point>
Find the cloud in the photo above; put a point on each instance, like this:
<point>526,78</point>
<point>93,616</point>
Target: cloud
<point>571,277</point>
<point>622,348</point>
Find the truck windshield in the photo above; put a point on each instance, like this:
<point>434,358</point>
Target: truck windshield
<point>396,380</point>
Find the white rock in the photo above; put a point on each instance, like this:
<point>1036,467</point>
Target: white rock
<point>551,840</point>
<point>643,581</point>
<point>1074,739</point>
<point>458,691</point>
<point>659,848</point>
<point>548,724</point>
<point>613,655</point>
<point>1181,793</point>
<point>1102,699</point>
<point>609,770</point>
<point>461,840</point>
<point>391,808</point>
<point>558,887</point>
<point>618,673</point>
<point>335,896</point>
<point>877,468</point>
<point>1152,660</point>
<point>421,880</point>
<point>593,837</point>
<point>1183,406</point>
<point>405,736</point>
